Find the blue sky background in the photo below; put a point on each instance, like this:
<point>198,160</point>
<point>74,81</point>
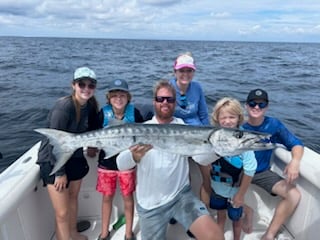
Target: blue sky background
<point>234,20</point>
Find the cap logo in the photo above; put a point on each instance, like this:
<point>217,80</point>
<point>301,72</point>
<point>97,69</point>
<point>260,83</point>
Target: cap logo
<point>117,82</point>
<point>258,93</point>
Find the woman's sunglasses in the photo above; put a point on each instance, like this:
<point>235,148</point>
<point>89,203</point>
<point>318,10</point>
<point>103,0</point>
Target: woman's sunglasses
<point>82,85</point>
<point>261,105</point>
<point>189,70</point>
<point>161,99</point>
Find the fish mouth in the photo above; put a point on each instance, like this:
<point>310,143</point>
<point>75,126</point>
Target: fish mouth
<point>257,143</point>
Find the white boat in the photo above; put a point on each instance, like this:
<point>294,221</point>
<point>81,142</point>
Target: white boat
<point>26,212</point>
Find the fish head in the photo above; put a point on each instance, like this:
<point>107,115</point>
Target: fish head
<point>231,142</point>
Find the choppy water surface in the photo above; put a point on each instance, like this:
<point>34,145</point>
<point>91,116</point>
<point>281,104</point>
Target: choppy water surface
<point>37,71</point>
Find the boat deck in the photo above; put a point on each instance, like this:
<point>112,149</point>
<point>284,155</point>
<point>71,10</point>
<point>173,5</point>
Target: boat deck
<point>26,211</point>
<point>176,231</point>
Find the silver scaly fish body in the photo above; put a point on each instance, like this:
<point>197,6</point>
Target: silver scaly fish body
<point>174,138</point>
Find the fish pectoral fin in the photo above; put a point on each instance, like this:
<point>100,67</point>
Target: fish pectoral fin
<point>110,152</point>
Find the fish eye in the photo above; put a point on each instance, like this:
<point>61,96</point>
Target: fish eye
<point>238,134</point>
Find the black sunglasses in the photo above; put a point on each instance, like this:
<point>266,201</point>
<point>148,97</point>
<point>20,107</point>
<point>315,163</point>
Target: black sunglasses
<point>161,99</point>
<point>185,70</point>
<point>82,85</point>
<point>260,105</point>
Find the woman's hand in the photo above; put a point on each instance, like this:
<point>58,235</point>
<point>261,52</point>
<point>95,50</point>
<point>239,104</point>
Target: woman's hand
<point>60,182</point>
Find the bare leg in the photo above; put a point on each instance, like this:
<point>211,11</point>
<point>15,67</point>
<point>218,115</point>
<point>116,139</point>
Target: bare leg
<point>60,203</point>
<point>105,215</point>
<point>221,219</point>
<point>286,207</point>
<point>204,228</point>
<point>74,188</point>
<point>237,229</point>
<point>128,211</point>
<point>247,220</point>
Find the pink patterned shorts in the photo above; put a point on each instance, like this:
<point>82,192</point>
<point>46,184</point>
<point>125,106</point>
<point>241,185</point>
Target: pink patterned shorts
<point>107,181</point>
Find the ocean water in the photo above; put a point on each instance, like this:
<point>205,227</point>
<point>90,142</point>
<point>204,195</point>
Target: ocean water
<point>35,72</point>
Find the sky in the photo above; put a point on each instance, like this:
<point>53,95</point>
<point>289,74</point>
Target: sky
<point>213,20</point>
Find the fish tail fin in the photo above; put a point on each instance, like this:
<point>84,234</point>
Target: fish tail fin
<point>61,150</point>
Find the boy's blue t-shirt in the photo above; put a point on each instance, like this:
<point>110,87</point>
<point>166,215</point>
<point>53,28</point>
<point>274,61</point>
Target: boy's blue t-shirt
<point>279,134</point>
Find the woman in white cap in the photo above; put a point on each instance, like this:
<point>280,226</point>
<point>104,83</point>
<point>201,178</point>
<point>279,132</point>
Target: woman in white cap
<point>191,103</point>
<point>118,110</point>
<point>76,113</point>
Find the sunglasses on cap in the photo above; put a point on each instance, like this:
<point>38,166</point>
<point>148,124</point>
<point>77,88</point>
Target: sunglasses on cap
<point>261,105</point>
<point>82,85</point>
<point>161,99</point>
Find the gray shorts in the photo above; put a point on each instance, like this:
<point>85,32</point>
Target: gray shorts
<point>266,180</point>
<point>185,208</point>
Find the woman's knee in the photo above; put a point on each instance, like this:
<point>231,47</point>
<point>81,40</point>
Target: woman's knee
<point>62,215</point>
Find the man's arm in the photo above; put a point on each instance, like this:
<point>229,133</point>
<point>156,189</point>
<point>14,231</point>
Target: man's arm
<point>130,157</point>
<point>238,199</point>
<point>125,160</point>
<point>292,169</point>
<point>205,190</point>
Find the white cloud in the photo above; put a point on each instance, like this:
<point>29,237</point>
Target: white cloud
<point>162,19</point>
<point>220,14</point>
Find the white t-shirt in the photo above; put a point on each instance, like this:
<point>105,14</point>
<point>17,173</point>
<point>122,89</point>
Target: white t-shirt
<point>160,175</point>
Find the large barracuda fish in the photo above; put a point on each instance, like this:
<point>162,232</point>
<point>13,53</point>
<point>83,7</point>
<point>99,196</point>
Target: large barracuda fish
<point>174,138</point>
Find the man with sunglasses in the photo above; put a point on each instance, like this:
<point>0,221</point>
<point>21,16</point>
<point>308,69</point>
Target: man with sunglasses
<point>163,189</point>
<point>256,105</point>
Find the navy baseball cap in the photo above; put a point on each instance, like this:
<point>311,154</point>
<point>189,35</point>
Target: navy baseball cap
<point>119,84</point>
<point>257,94</point>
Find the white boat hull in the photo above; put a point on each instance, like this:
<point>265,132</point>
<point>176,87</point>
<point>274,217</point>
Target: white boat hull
<point>26,212</point>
